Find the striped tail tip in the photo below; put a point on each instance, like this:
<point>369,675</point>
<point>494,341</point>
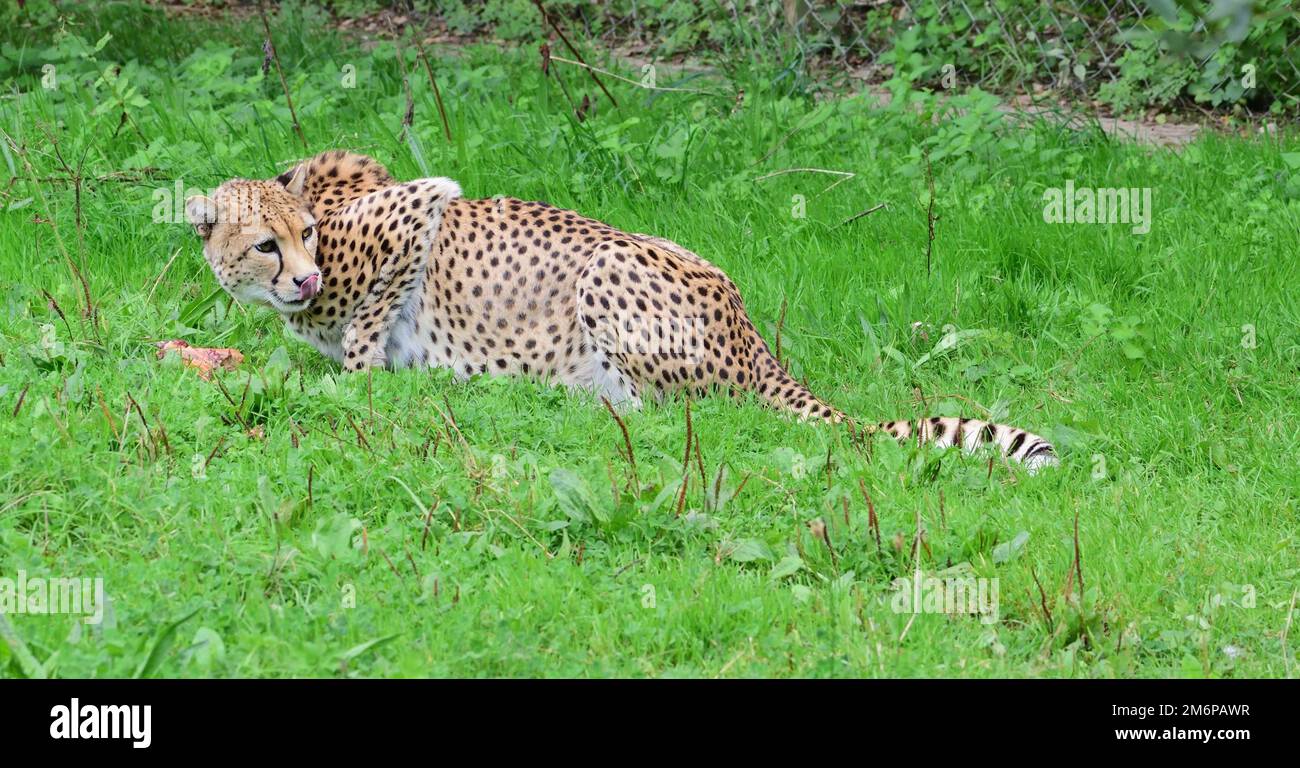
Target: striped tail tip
<point>1016,444</point>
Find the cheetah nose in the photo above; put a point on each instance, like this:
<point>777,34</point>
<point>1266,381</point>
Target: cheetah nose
<point>308,286</point>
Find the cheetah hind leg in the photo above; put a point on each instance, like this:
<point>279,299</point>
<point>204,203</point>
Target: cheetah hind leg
<point>606,379</point>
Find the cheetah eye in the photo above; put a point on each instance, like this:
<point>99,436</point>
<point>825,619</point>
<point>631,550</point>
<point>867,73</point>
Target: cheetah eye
<point>307,232</point>
<point>266,246</point>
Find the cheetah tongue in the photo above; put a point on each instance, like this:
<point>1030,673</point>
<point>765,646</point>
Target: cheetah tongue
<point>309,288</point>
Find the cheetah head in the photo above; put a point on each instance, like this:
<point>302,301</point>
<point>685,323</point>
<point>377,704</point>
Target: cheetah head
<point>260,240</point>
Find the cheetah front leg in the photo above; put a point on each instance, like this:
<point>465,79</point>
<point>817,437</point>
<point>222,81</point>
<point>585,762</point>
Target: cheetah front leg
<point>365,338</point>
<point>400,270</point>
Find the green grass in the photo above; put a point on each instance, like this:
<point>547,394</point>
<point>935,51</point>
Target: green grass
<point>1178,435</point>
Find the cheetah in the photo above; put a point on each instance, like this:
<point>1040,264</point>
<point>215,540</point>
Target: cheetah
<point>377,273</point>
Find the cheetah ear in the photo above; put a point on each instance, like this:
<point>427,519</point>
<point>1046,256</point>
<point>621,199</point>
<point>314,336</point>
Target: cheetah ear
<point>202,213</point>
<point>294,179</point>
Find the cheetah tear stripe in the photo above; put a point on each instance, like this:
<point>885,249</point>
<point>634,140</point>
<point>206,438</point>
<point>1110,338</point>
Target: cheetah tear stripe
<point>412,274</point>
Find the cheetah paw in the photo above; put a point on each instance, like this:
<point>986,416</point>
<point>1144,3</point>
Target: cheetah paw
<point>359,355</point>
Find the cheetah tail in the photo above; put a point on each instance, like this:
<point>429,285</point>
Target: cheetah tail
<point>783,392</point>
<point>1016,444</point>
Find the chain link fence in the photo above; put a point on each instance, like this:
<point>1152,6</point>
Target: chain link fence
<point>1131,55</point>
